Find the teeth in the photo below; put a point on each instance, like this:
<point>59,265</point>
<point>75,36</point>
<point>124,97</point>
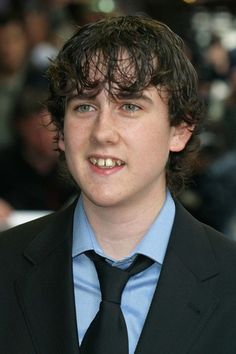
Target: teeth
<point>110,163</point>
<point>101,162</point>
<point>93,160</point>
<point>105,163</point>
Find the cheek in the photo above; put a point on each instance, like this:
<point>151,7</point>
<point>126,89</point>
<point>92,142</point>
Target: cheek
<point>156,139</point>
<point>74,138</point>
<point>151,147</point>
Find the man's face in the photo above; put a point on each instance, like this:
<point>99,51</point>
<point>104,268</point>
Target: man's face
<point>117,150</point>
<point>13,47</point>
<point>37,135</point>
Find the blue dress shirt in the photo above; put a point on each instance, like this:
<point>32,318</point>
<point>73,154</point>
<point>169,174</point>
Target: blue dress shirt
<point>138,293</point>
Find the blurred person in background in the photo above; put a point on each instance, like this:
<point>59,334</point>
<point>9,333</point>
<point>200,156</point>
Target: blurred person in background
<point>211,196</point>
<point>40,33</point>
<point>228,125</point>
<point>29,169</point>
<point>26,46</point>
<point>13,67</point>
<point>217,60</point>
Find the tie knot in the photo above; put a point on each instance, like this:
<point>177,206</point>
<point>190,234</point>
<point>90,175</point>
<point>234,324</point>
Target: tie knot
<point>112,279</point>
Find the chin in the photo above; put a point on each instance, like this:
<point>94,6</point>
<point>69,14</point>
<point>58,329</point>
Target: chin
<point>103,201</point>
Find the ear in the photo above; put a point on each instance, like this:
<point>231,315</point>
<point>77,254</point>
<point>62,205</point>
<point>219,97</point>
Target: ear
<point>180,136</point>
<point>61,142</point>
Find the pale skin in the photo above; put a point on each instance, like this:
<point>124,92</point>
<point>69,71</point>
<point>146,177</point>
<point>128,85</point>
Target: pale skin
<point>5,210</point>
<point>120,201</point>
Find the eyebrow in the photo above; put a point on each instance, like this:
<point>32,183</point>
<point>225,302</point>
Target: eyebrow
<point>90,95</point>
<point>134,95</point>
<point>82,95</point>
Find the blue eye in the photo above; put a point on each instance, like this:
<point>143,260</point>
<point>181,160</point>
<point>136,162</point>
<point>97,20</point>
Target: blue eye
<point>83,108</point>
<point>130,107</point>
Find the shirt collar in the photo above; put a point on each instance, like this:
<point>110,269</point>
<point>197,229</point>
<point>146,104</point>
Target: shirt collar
<point>153,245</point>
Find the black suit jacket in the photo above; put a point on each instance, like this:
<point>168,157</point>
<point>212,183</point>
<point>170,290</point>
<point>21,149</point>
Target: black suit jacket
<point>193,310</point>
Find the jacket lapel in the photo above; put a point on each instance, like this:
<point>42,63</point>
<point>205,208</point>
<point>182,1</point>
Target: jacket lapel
<point>45,293</point>
<point>184,299</point>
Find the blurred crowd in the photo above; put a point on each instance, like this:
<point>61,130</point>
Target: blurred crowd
<point>211,194</point>
<point>31,32</point>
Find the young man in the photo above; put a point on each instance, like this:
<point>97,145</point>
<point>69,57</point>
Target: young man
<point>123,96</point>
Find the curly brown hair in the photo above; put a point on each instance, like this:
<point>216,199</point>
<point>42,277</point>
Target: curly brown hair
<point>154,55</point>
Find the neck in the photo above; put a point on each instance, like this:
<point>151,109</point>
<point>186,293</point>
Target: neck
<point>118,231</point>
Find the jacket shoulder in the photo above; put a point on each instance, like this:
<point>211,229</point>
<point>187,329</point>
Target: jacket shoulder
<point>223,248</point>
<point>17,238</point>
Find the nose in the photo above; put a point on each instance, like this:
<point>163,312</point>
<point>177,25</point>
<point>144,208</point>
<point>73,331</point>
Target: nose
<point>104,130</point>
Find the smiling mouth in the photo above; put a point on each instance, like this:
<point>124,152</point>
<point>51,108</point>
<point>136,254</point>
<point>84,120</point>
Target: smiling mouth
<point>106,163</point>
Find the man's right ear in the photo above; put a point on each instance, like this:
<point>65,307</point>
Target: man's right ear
<point>61,143</point>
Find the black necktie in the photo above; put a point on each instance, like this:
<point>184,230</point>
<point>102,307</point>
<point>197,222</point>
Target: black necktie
<point>107,334</point>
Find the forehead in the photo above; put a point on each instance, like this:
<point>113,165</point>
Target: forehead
<point>114,71</point>
<point>118,72</point>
